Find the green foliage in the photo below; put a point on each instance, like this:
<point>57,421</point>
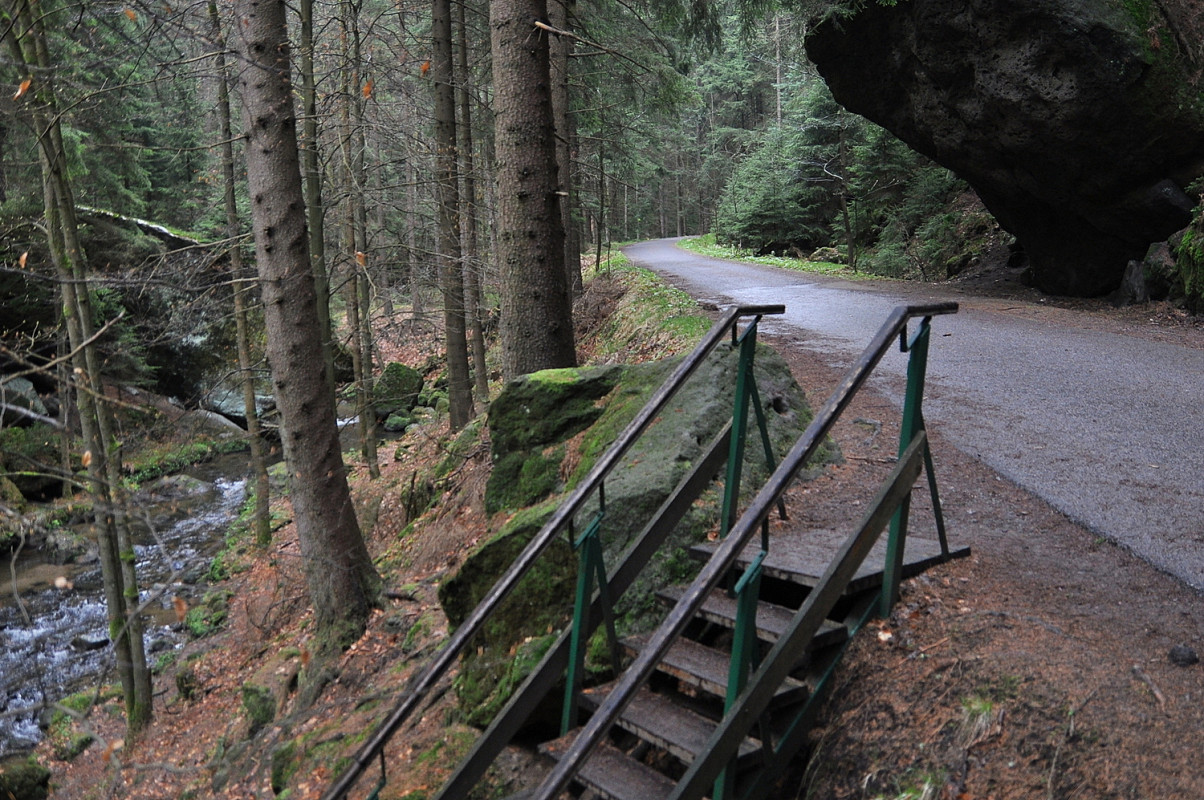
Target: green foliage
<point>768,206</point>
<point>285,762</point>
<point>153,462</point>
<point>208,617</point>
<point>26,448</point>
<point>163,661</point>
<point>828,178</point>
<point>24,779</point>
<point>707,246</point>
<point>1189,254</point>
<point>66,739</point>
<point>259,706</point>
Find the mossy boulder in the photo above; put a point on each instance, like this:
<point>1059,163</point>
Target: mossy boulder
<point>540,605</point>
<point>396,390</point>
<point>529,419</point>
<point>10,495</point>
<point>259,705</point>
<point>547,432</point>
<point>24,779</point>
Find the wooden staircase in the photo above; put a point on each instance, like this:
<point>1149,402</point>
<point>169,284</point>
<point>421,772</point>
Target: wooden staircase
<point>718,699</point>
<point>670,721</point>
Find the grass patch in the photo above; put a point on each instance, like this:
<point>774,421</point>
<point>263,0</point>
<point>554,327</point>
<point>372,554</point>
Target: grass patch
<point>653,320</point>
<point>707,246</point>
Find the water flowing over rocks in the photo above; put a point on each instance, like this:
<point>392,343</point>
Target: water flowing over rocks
<point>55,640</point>
<point>1078,122</point>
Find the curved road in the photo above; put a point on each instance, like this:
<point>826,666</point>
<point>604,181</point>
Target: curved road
<point>1106,426</point>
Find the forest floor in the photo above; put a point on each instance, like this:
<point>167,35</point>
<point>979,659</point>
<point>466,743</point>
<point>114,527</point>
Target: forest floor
<point>1038,667</point>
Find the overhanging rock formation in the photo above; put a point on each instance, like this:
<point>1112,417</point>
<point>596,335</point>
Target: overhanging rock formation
<point>1080,123</point>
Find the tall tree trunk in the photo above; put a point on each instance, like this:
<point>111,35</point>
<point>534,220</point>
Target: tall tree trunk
<point>451,266</point>
<point>314,210</point>
<point>358,295</point>
<point>343,584</point>
<point>559,48</point>
<point>242,287</point>
<point>470,248</point>
<point>25,36</point>
<point>537,320</point>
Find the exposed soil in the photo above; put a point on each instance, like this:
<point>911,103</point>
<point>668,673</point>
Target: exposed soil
<point>1036,668</point>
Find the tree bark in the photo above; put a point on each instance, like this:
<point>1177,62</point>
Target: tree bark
<point>241,287</point>
<point>537,320</point>
<point>559,48</point>
<point>342,582</point>
<point>355,245</point>
<point>470,248</point>
<point>314,210</point>
<point>451,266</point>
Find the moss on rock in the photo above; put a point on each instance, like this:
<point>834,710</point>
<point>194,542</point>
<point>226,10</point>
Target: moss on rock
<point>529,418</point>
<point>24,779</point>
<point>396,390</point>
<point>549,429</point>
<point>259,705</point>
<point>540,605</point>
<point>548,407</point>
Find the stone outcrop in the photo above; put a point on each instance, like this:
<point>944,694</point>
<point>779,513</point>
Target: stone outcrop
<point>547,431</point>
<point>1078,122</point>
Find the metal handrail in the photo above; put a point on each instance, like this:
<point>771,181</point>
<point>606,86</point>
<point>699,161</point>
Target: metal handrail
<point>424,681</point>
<point>728,550</point>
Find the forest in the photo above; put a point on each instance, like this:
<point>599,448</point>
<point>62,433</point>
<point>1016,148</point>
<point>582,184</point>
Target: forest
<point>223,204</point>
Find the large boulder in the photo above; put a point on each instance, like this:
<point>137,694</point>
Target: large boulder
<point>547,430</point>
<point>1078,122</point>
<point>396,390</point>
<point>21,403</point>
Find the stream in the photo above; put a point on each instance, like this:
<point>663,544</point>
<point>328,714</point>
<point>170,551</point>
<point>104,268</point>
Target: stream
<point>52,641</point>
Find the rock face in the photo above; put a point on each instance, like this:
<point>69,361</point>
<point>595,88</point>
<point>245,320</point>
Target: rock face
<point>1078,122</point>
<point>547,430</point>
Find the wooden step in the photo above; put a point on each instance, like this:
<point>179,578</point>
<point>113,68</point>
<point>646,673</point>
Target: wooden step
<point>613,774</point>
<point>706,668</point>
<point>802,558</point>
<point>772,620</point>
<point>656,719</point>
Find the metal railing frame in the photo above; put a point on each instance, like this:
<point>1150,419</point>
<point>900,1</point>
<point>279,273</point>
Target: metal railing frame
<point>725,555</point>
<point>425,680</point>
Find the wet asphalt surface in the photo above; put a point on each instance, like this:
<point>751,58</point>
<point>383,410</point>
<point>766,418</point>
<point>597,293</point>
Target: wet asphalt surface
<point>1106,427</point>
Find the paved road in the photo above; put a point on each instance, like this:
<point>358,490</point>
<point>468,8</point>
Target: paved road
<point>1106,426</point>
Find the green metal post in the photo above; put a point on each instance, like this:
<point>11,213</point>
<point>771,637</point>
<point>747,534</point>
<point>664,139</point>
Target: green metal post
<point>937,513</point>
<point>589,566</point>
<point>745,656</point>
<point>913,423</point>
<point>735,458</point>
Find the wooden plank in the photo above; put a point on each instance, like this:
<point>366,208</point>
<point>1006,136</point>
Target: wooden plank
<point>772,620</point>
<point>656,719</point>
<point>706,668</point>
<point>552,667</point>
<point>759,694</point>
<point>613,774</point>
<point>802,557</point>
